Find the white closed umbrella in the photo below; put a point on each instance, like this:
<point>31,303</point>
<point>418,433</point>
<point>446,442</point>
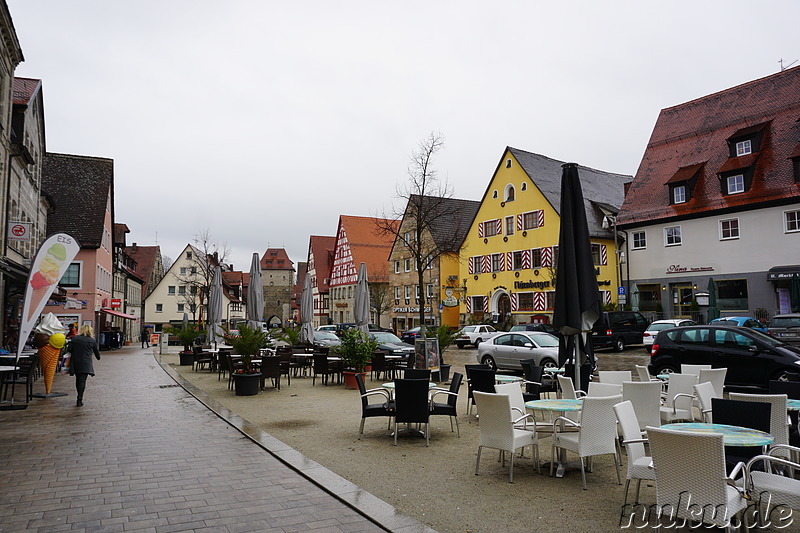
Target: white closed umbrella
<point>215,306</point>
<point>361,304</point>
<point>255,294</point>
<point>307,313</point>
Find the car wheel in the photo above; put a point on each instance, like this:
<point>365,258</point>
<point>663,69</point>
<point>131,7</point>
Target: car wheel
<point>666,369</point>
<point>619,344</point>
<point>549,363</point>
<point>477,342</point>
<point>461,345</point>
<point>489,360</point>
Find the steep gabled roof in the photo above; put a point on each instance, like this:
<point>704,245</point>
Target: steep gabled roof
<point>79,187</point>
<point>24,89</point>
<point>322,249</point>
<point>600,189</point>
<point>698,132</point>
<point>276,259</point>
<point>368,244</point>
<point>145,257</point>
<point>120,230</point>
<point>449,219</point>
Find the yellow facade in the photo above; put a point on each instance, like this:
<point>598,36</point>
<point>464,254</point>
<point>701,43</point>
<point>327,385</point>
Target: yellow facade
<point>507,258</point>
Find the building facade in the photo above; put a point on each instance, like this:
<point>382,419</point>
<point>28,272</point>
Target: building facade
<point>320,260</point>
<point>717,197</point>
<point>509,256</point>
<point>277,275</point>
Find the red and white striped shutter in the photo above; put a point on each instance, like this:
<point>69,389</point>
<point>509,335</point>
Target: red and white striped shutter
<point>547,257</point>
<point>606,297</point>
<point>509,260</point>
<point>519,222</point>
<point>540,218</point>
<point>603,255</point>
<point>487,263</point>
<point>469,304</point>
<point>471,266</point>
<point>480,230</point>
<point>539,301</point>
<point>499,225</point>
<point>485,304</point>
<point>526,258</point>
<point>514,302</point>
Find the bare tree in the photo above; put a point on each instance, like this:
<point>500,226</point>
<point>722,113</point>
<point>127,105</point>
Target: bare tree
<point>207,254</point>
<point>166,263</point>
<point>428,208</point>
<point>381,299</point>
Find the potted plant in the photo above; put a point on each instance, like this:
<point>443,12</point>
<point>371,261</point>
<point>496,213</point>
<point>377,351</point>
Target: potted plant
<point>246,342</point>
<point>356,352</point>
<point>445,337</point>
<point>290,335</point>
<point>187,335</point>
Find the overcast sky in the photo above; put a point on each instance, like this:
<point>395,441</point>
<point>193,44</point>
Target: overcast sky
<point>264,121</point>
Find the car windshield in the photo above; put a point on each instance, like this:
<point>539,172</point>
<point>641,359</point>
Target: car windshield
<point>545,340</point>
<point>325,336</point>
<point>659,327</point>
<point>785,322</point>
<point>766,339</point>
<point>384,337</point>
<point>468,329</point>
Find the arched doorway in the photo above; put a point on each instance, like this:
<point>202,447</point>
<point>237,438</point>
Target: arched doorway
<point>500,306</point>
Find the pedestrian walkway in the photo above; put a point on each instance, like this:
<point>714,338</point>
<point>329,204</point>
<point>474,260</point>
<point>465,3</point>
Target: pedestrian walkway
<point>144,455</point>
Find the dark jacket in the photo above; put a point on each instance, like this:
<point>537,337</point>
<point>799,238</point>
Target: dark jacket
<point>81,349</point>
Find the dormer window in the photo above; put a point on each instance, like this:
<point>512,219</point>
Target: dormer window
<point>679,194</point>
<point>735,184</point>
<point>744,148</point>
<point>509,193</point>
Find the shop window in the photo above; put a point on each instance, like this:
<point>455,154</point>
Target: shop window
<point>732,294</point>
<point>649,297</point>
<point>525,301</point>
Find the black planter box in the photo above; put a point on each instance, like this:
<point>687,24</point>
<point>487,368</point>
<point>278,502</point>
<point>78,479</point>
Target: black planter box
<point>246,384</point>
<point>187,358</point>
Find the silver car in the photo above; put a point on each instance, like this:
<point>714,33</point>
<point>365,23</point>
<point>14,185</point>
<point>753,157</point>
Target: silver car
<point>506,350</point>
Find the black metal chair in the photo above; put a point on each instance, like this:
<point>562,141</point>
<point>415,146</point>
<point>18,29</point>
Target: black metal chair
<point>380,365</point>
<point>323,368</point>
<point>753,415</point>
<point>481,380</point>
<point>417,373</point>
<point>285,363</point>
<point>271,369</point>
<point>535,382</point>
<point>411,405</point>
<point>369,410</point>
<point>201,359</point>
<point>448,408</point>
<point>223,364</point>
<point>25,374</point>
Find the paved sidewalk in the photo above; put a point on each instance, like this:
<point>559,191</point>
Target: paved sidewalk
<point>143,455</point>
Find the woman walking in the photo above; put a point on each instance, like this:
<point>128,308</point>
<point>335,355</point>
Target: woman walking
<point>82,346</point>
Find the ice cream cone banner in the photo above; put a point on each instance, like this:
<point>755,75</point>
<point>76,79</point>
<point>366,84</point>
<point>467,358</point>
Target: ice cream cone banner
<point>51,261</point>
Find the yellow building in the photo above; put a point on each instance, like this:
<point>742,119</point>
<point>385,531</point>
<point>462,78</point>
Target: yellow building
<point>507,261</point>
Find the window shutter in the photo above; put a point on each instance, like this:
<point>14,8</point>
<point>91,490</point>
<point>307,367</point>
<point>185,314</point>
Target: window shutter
<point>499,224</point>
<point>519,222</point>
<point>526,259</point>
<point>487,263</point>
<point>603,255</point>
<point>469,304</point>
<point>540,218</point>
<point>547,257</point>
<point>514,302</point>
<point>538,301</point>
<point>480,230</point>
<point>471,265</point>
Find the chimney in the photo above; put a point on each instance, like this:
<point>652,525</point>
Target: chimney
<point>133,248</point>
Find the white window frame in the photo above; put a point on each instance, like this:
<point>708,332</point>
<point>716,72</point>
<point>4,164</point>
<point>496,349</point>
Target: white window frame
<point>730,229</point>
<point>744,148</point>
<point>676,242</point>
<point>407,293</point>
<point>407,264</point>
<point>181,308</point>
<point>787,223</point>
<point>397,267</point>
<point>510,225</point>
<point>159,308</point>
<point>643,239</point>
<point>397,295</point>
<point>737,179</point>
<point>534,219</point>
<point>510,190</point>
<point>679,194</point>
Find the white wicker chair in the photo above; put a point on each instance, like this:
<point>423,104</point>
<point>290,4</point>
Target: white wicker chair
<point>568,392</point>
<point>498,431</point>
<point>644,374</point>
<point>680,385</point>
<point>604,389</point>
<point>639,464</point>
<point>779,422</point>
<point>766,488</point>
<point>691,479</point>
<point>694,369</point>
<point>705,392</point>
<point>715,376</point>
<point>614,376</point>
<point>597,433</point>
<point>646,400</point>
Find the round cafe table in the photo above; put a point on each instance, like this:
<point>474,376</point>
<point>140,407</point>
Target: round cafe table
<point>559,405</point>
<point>502,378</point>
<point>731,435</point>
<point>792,405</point>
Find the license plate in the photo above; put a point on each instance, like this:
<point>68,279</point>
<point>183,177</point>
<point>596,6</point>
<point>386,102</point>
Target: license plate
<point>788,334</point>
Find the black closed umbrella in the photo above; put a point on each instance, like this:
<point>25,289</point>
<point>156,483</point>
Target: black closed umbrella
<point>577,305</point>
<point>794,293</point>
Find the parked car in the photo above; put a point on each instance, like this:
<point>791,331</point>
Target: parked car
<point>751,357</point>
<point>506,350</point>
<point>652,330</point>
<point>547,328</point>
<point>341,328</point>
<point>326,339</point>
<point>475,335</point>
<point>410,335</point>
<point>740,321</point>
<point>786,327</point>
<point>390,344</point>
<point>618,329</point>
<point>330,327</point>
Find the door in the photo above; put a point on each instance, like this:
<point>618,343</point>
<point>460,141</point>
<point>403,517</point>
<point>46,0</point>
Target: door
<point>503,350</point>
<point>739,354</point>
<point>682,298</point>
<point>503,307</point>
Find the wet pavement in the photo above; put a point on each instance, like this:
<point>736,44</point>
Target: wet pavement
<point>144,455</point>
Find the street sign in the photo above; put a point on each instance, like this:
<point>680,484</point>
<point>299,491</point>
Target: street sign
<point>621,291</point>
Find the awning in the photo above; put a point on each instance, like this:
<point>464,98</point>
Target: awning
<point>782,272</point>
<point>117,313</point>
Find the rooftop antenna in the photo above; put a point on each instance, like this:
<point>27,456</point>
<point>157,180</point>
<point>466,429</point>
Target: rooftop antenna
<point>784,67</point>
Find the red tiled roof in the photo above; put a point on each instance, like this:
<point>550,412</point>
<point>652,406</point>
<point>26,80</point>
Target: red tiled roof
<point>322,249</point>
<point>24,89</point>
<point>685,173</point>
<point>145,257</point>
<point>795,152</point>
<point>119,233</point>
<point>368,244</point>
<point>699,130</point>
<point>276,259</point>
<point>736,163</point>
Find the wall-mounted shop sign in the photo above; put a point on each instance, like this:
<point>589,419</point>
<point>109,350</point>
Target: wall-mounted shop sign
<point>409,309</point>
<point>678,269</point>
<point>531,284</point>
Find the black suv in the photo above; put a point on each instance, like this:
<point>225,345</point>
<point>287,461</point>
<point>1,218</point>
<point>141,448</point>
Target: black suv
<point>751,357</point>
<point>618,329</point>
